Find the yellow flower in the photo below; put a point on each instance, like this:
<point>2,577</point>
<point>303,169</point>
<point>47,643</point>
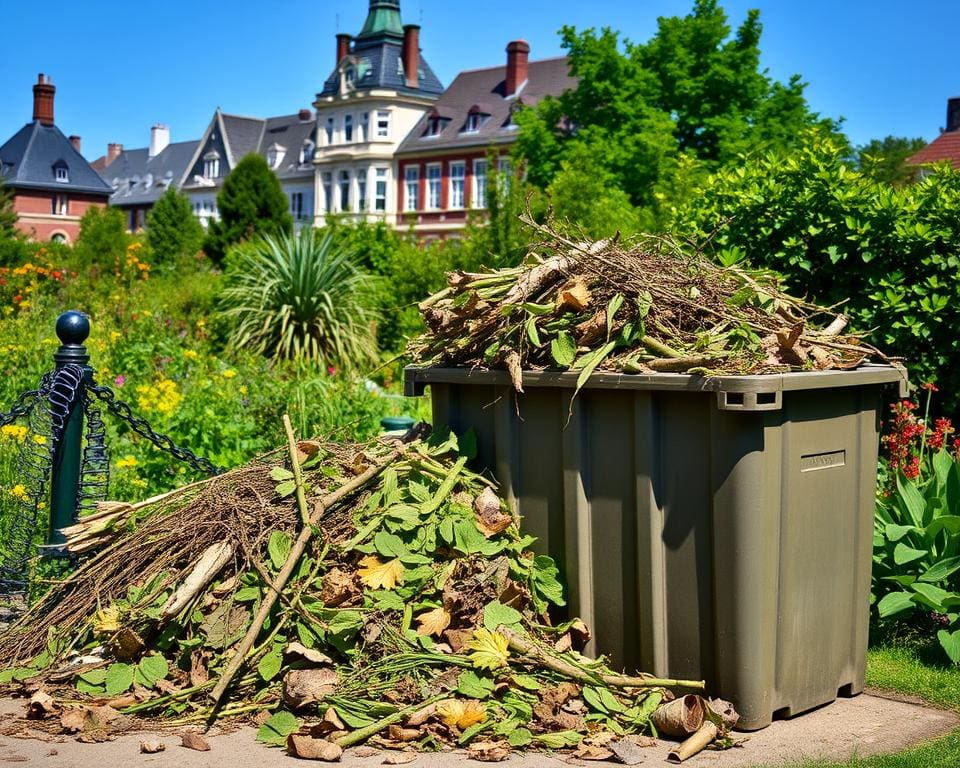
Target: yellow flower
<point>190,354</point>
<point>19,491</point>
<point>229,373</point>
<point>114,335</point>
<point>13,432</point>
<point>243,389</point>
<point>39,440</point>
<point>126,462</point>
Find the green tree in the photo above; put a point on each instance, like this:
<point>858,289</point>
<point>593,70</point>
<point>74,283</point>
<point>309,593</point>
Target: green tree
<point>172,229</point>
<point>296,296</point>
<point>251,203</point>
<point>693,89</point>
<point>8,218</point>
<point>890,254</point>
<point>885,159</point>
<point>103,238</point>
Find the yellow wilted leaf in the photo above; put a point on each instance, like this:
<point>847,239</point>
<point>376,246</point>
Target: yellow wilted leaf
<point>378,575</point>
<point>433,622</point>
<point>576,297</point>
<point>462,714</point>
<point>107,620</point>
<point>490,649</point>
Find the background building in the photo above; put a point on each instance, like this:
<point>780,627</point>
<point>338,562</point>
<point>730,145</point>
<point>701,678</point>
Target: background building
<point>946,147</point>
<point>53,185</point>
<point>380,88</point>
<point>442,164</point>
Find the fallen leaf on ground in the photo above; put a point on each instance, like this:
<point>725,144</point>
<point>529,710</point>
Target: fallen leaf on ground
<point>630,750</point>
<point>576,297</point>
<point>364,751</point>
<point>592,752</point>
<point>306,686</point>
<point>488,751</point>
<point>460,713</point>
<point>379,575</point>
<point>195,741</point>
<point>309,748</point>
<point>41,705</point>
<point>307,654</point>
<point>433,622</point>
<point>152,747</point>
<point>489,649</point>
<point>399,758</point>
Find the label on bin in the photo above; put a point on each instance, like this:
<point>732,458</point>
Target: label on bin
<point>813,461</point>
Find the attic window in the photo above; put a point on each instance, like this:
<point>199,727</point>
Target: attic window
<point>475,118</point>
<point>511,122</point>
<point>211,165</point>
<point>306,153</point>
<point>61,173</point>
<point>435,124</point>
<point>275,155</point>
<point>5,168</point>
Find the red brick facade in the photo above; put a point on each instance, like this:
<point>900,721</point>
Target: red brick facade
<point>43,215</point>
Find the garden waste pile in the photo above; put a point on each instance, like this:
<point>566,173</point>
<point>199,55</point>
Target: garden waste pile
<point>334,595</point>
<point>646,306</point>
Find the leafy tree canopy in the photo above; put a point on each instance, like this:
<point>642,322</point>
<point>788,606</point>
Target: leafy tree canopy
<point>250,203</point>
<point>885,160</point>
<point>172,229</point>
<point>693,90</point>
<point>8,219</point>
<point>103,237</point>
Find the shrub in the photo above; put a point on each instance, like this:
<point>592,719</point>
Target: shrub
<point>251,203</point>
<point>837,236</point>
<point>103,238</point>
<point>298,297</point>
<point>172,229</point>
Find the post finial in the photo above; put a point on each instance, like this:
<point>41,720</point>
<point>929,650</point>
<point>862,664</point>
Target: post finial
<point>73,327</point>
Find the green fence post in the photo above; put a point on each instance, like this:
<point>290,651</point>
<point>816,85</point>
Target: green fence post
<point>72,328</point>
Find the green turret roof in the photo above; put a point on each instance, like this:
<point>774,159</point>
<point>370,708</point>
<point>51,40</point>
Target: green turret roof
<point>383,21</point>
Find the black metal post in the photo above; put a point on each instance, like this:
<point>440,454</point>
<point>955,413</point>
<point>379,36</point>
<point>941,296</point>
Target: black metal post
<point>73,327</point>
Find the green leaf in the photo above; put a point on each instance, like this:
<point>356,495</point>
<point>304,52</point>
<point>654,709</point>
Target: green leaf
<point>895,532</point>
<point>951,644</point>
<point>931,596</point>
<point>150,669</point>
<point>119,678</point>
<point>468,537</point>
<point>613,306</point>
<point>911,499</point>
<point>543,577</point>
<point>520,737</point>
<point>278,548</point>
<point>389,545</point>
<point>903,554</point>
<point>277,728</point>
<point>471,685</point>
<point>538,309</point>
<point>527,682</point>
<point>894,603</point>
<point>563,349</point>
<point>595,358</point>
<point>247,594</point>
<point>532,334</point>
<point>496,613</point>
<point>943,569</point>
<point>279,474</point>
<point>270,664</point>
<point>95,676</point>
<point>559,739</point>
<point>286,488</point>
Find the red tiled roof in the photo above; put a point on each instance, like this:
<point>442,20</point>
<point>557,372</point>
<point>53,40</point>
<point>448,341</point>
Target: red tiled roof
<point>945,147</point>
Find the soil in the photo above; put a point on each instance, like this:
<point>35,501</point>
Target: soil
<point>865,725</point>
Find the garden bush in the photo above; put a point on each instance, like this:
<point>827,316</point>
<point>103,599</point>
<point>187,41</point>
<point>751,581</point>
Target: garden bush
<point>891,254</point>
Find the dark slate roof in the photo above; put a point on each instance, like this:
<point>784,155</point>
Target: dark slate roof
<point>138,179</point>
<point>945,147</point>
<point>379,65</point>
<point>484,89</point>
<point>28,159</point>
<point>243,134</point>
<point>291,133</point>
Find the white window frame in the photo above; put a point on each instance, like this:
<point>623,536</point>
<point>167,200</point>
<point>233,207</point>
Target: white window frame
<point>474,121</point>
<point>61,174</point>
<point>478,198</point>
<point>296,205</point>
<point>364,135</point>
<point>411,188</point>
<point>211,168</point>
<point>328,130</point>
<point>458,180</point>
<point>61,205</point>
<point>383,123</point>
<point>307,152</point>
<point>434,186</point>
<point>380,190</point>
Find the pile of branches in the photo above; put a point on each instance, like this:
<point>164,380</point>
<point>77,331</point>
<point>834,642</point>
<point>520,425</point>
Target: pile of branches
<point>644,306</point>
<point>336,595</point>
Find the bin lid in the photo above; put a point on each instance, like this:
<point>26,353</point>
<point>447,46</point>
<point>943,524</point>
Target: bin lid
<point>394,423</point>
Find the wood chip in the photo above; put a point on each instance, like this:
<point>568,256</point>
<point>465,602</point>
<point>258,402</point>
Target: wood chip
<point>488,751</point>
<point>399,758</point>
<point>152,747</point>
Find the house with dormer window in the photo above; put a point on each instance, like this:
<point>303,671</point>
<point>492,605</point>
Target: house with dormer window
<point>442,163</point>
<point>52,184</point>
<point>379,89</point>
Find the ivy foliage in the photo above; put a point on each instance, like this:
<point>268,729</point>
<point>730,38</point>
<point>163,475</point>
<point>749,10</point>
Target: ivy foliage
<point>892,253</point>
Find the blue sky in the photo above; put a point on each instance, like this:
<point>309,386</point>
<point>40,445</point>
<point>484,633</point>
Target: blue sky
<point>887,66</point>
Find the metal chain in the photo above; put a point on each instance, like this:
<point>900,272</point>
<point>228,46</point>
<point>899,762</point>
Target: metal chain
<point>142,427</point>
<point>20,408</point>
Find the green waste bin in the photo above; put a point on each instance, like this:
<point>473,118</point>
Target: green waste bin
<point>706,527</point>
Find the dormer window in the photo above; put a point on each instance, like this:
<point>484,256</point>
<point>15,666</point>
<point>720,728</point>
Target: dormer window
<point>61,173</point>
<point>306,152</point>
<point>275,155</point>
<point>511,122</point>
<point>435,124</point>
<point>476,117</point>
<point>211,165</point>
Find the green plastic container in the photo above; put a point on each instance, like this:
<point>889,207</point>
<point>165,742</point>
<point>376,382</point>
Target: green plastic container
<point>717,528</point>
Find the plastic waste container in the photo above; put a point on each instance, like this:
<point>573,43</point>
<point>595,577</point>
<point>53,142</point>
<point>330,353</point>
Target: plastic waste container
<point>706,527</point>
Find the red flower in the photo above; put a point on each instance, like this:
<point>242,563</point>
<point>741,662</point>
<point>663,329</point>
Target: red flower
<point>929,386</point>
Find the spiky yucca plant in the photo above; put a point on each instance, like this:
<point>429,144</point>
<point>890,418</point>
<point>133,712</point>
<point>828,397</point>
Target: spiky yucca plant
<point>294,296</point>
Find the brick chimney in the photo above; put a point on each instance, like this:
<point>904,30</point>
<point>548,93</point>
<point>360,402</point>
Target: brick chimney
<point>518,52</point>
<point>113,152</point>
<point>343,46</point>
<point>159,139</point>
<point>953,114</point>
<point>75,140</point>
<point>305,115</point>
<point>411,54</point>
<point>43,93</point>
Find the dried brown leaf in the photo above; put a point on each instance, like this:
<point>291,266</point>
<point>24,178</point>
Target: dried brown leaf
<point>306,686</point>
<point>42,705</point>
<point>309,748</point>
<point>192,740</point>
<point>489,751</point>
<point>433,622</point>
<point>491,519</point>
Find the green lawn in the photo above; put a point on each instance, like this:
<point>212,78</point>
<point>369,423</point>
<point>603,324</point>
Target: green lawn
<point>910,671</point>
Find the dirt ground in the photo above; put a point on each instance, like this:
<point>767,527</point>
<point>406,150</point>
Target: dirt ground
<point>864,725</point>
